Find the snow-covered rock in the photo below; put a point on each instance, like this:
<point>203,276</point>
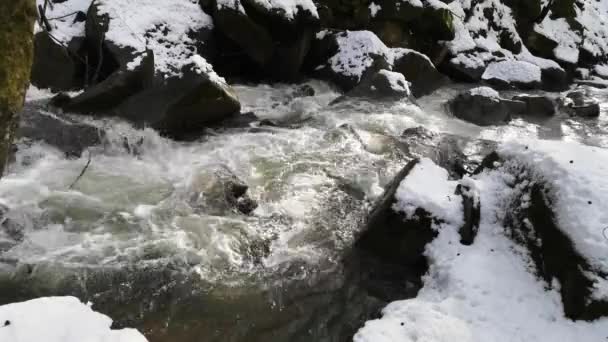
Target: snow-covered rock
<point>59,319</point>
<point>419,70</point>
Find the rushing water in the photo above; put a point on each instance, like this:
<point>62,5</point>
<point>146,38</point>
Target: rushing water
<point>129,227</point>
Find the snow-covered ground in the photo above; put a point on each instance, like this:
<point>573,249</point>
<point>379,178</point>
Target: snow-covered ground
<point>488,291</point>
<point>59,319</point>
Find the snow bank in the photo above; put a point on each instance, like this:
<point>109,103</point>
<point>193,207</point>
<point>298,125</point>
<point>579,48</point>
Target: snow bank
<point>59,319</point>
<point>487,291</point>
<point>513,71</point>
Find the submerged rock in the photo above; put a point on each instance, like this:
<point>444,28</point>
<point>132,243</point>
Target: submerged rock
<point>483,106</point>
<point>216,190</point>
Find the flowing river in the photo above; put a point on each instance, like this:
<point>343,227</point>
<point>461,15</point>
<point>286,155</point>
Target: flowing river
<point>132,236</point>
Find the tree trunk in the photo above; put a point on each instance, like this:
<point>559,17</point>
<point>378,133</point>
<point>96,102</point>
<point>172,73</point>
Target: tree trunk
<point>16,52</point>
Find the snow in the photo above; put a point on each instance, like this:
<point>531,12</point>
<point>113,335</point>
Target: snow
<point>513,71</point>
<point>151,24</point>
<point>64,29</point>
<point>488,291</point>
<point>59,319</point>
<point>374,9</point>
<point>356,51</point>
<point>428,187</point>
<point>231,4</point>
<point>202,66</point>
<point>580,190</point>
<point>485,92</point>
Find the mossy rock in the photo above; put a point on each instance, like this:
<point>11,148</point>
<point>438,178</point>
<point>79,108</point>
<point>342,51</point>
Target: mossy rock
<point>17,44</point>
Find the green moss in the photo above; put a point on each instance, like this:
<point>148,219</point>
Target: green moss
<point>16,43</point>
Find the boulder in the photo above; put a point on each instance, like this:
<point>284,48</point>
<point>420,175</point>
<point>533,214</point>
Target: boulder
<point>537,106</point>
<point>418,70</point>
<point>64,133</point>
<point>181,107</point>
<point>56,67</point>
<point>357,54</point>
<point>483,106</point>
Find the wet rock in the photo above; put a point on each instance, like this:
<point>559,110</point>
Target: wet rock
<point>67,135</point>
<point>419,70</point>
<point>56,67</point>
<point>483,106</point>
<point>472,213</point>
<point>303,91</point>
<point>537,106</point>
<point>112,91</point>
<point>554,79</point>
<point>216,191</point>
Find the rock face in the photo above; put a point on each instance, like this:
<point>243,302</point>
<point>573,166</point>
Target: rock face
<point>483,106</point>
<point>16,43</point>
